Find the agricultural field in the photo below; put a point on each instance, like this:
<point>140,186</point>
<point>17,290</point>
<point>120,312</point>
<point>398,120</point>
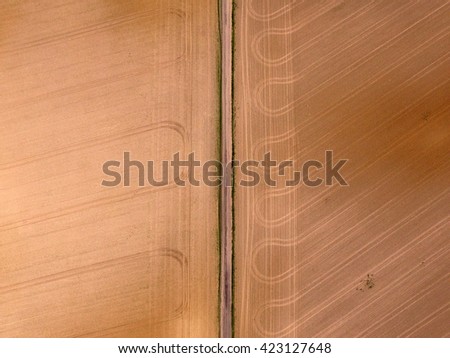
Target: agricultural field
<point>341,107</point>
<point>82,82</point>
<point>369,81</point>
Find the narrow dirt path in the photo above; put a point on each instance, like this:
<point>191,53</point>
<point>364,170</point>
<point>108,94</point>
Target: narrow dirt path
<point>226,216</point>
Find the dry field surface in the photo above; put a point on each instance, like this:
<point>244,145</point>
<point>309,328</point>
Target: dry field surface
<point>81,82</point>
<point>368,80</point>
<point>84,81</point>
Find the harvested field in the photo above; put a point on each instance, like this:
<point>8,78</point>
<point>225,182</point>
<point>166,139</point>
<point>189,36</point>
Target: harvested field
<point>353,95</point>
<point>82,82</point>
<point>369,81</point>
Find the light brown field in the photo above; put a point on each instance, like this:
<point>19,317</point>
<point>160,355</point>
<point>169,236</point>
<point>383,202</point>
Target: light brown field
<point>368,80</point>
<point>84,81</point>
<point>81,82</point>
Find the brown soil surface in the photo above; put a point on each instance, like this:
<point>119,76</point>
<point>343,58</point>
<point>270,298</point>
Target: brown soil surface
<point>226,209</point>
<point>368,80</point>
<point>82,82</point>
